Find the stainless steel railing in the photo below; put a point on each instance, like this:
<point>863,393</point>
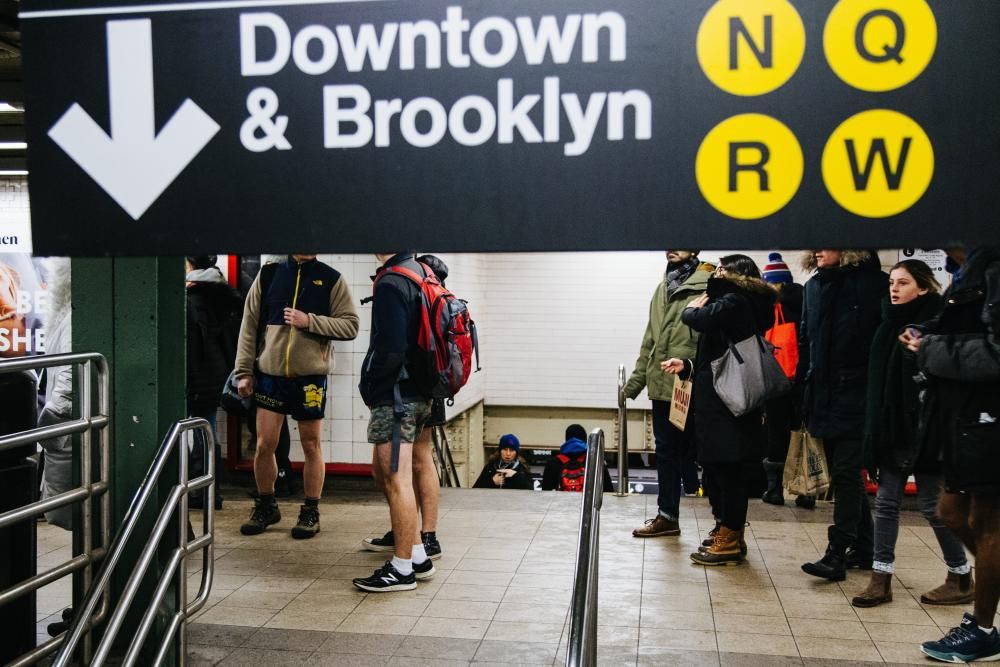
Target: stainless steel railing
<point>175,571</point>
<point>621,436</point>
<point>583,609</point>
<point>86,493</point>
<point>447,472</point>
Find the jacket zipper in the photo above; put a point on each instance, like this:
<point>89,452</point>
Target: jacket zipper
<point>291,330</point>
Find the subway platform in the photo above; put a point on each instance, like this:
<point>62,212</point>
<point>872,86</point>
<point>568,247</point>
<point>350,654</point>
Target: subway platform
<point>502,590</point>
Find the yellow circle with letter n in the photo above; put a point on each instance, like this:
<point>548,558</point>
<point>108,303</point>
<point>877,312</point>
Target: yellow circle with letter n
<point>880,45</point>
<point>878,163</point>
<point>749,166</point>
<point>751,47</point>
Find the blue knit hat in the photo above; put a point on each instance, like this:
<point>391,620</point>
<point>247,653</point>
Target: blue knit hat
<point>776,271</point>
<point>510,441</point>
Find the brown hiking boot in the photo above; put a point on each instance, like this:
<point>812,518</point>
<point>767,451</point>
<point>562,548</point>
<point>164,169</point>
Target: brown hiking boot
<point>725,549</point>
<point>711,538</point>
<point>658,526</point>
<point>879,591</point>
<point>956,589</point>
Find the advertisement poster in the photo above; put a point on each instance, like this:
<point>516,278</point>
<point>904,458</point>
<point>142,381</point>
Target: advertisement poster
<point>24,304</point>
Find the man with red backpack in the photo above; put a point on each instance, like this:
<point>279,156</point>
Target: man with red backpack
<point>422,339</point>
<point>564,471</point>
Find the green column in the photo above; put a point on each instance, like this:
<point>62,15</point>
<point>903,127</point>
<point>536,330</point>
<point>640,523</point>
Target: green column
<point>132,311</point>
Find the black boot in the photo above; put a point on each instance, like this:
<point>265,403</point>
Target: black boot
<point>774,494</point>
<point>831,566</point>
<point>854,559</point>
<point>805,502</point>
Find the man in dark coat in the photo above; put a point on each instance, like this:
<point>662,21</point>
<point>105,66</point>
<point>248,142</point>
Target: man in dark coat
<point>959,352</point>
<point>213,323</point>
<point>841,310</point>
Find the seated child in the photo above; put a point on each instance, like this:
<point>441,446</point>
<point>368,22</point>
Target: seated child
<point>506,470</point>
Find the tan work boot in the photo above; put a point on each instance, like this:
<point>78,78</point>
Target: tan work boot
<point>725,549</point>
<point>711,537</point>
<point>707,542</point>
<point>879,591</point>
<point>658,526</point>
<point>956,589</point>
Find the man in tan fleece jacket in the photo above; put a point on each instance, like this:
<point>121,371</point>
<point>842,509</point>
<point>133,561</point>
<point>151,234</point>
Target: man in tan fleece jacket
<point>293,312</point>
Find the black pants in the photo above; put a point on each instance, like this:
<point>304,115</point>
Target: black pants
<point>852,516</point>
<point>728,493</point>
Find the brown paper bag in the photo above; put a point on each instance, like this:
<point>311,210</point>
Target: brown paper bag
<point>680,402</point>
<point>806,470</point>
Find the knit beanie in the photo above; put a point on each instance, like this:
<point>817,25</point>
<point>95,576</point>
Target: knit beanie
<point>576,431</point>
<point>510,441</point>
<point>776,271</point>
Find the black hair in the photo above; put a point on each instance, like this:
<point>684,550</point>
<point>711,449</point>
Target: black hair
<point>740,264</point>
<point>199,262</point>
<point>576,431</point>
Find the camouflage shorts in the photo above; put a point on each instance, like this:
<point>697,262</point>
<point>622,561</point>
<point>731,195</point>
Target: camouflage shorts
<point>415,416</point>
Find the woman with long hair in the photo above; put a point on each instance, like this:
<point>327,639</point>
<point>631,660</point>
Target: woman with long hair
<point>737,305</point>
<point>892,442</point>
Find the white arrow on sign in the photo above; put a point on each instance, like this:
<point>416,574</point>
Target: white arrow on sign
<point>134,165</point>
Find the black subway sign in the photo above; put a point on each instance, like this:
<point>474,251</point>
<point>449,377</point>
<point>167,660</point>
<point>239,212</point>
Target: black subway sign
<point>349,126</point>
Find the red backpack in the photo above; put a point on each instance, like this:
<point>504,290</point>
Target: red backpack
<point>572,472</point>
<point>785,341</point>
<point>446,336</point>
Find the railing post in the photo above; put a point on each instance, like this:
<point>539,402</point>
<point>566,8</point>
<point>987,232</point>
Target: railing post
<point>582,648</point>
<point>622,436</point>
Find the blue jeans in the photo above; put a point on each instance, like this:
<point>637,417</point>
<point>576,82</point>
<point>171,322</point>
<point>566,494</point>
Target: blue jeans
<point>890,492</point>
<point>670,444</point>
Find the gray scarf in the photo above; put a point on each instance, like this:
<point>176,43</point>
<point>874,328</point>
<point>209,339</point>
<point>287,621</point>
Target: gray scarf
<point>677,274</point>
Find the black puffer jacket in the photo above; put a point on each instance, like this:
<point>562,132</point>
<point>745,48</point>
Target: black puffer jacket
<point>214,311</point>
<point>960,354</point>
<point>840,313</point>
<point>521,479</point>
<point>738,307</point>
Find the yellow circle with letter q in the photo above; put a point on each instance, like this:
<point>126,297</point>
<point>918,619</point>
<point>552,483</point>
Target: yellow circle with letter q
<point>751,47</point>
<point>880,45</point>
<point>749,166</point>
<point>878,163</point>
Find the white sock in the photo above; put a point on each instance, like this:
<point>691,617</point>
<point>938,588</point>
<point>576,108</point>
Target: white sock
<point>986,630</point>
<point>419,554</point>
<point>403,565</point>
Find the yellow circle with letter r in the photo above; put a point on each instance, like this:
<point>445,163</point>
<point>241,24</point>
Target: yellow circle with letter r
<point>749,166</point>
<point>878,163</point>
<point>751,47</point>
<point>880,45</point>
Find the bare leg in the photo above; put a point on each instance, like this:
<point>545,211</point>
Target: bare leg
<point>955,510</point>
<point>426,485</point>
<point>265,468</point>
<point>314,470</point>
<point>399,492</point>
<point>985,522</point>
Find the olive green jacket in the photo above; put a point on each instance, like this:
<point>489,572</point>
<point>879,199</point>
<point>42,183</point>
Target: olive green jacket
<point>666,337</point>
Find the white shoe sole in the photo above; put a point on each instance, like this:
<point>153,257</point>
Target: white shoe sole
<point>425,575</point>
<point>386,589</point>
<point>376,547</point>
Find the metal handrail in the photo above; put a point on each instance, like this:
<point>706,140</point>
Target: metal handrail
<point>583,609</point>
<point>621,435</point>
<point>89,489</point>
<point>447,472</point>
<point>176,506</point>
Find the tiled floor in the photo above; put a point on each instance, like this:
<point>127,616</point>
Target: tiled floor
<point>502,591</point>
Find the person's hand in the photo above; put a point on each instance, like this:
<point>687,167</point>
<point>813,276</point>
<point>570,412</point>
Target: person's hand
<point>911,339</point>
<point>244,387</point>
<point>672,366</point>
<point>296,318</point>
<point>507,472</point>
<point>498,478</point>
<point>698,303</point>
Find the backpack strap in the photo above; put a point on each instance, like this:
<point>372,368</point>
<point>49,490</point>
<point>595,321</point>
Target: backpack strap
<point>398,412</point>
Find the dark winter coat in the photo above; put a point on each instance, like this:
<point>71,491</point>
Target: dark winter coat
<point>552,475</point>
<point>738,308</point>
<point>841,310</point>
<point>520,480</point>
<point>960,355</point>
<point>214,311</point>
<point>396,308</point>
<point>893,404</point>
